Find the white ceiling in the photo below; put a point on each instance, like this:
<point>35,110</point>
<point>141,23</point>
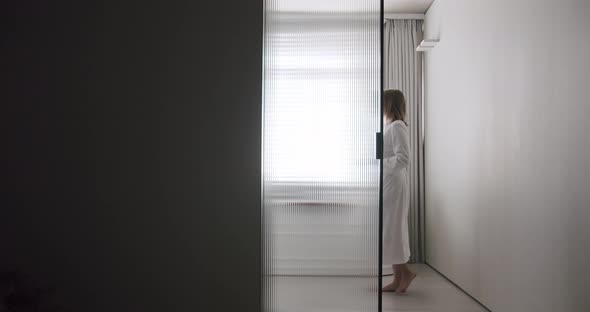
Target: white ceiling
<point>407,6</point>
<point>391,6</point>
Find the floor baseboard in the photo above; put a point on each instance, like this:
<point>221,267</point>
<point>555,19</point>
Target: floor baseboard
<point>458,287</point>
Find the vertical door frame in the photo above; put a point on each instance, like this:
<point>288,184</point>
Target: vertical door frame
<point>380,261</point>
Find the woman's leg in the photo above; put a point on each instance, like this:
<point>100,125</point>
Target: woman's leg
<point>397,275</point>
<point>391,287</point>
<point>407,276</point>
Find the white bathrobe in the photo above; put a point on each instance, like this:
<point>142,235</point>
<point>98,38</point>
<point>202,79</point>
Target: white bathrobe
<point>396,199</point>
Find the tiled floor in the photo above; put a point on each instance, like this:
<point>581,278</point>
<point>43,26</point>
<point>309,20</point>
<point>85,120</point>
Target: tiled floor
<point>430,292</point>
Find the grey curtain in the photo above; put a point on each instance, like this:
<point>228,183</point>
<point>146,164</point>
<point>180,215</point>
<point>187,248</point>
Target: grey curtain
<point>403,70</point>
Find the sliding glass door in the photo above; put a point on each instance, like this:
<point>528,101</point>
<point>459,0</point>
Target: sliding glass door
<point>321,177</point>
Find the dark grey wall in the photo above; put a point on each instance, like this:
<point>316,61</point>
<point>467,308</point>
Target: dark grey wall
<point>131,154</point>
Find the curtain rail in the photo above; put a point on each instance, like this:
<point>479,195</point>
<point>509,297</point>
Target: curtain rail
<point>403,16</point>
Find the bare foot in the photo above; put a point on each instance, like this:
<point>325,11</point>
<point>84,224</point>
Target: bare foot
<point>405,283</point>
<point>392,286</point>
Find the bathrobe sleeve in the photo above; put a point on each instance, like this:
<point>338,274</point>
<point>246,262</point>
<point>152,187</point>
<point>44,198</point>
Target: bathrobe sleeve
<point>398,135</point>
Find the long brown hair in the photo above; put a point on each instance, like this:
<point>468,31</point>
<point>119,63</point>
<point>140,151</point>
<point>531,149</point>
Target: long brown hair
<point>394,105</point>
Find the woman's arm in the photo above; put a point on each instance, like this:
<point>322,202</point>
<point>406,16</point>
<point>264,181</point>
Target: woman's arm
<point>401,149</point>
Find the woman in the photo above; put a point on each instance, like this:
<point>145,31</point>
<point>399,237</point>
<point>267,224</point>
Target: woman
<point>396,201</point>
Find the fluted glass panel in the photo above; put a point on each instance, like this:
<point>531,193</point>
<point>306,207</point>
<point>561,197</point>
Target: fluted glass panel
<point>321,110</point>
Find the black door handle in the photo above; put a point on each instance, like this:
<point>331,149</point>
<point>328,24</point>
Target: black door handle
<point>379,145</point>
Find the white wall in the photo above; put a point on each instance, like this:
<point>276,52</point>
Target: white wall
<point>507,122</point>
